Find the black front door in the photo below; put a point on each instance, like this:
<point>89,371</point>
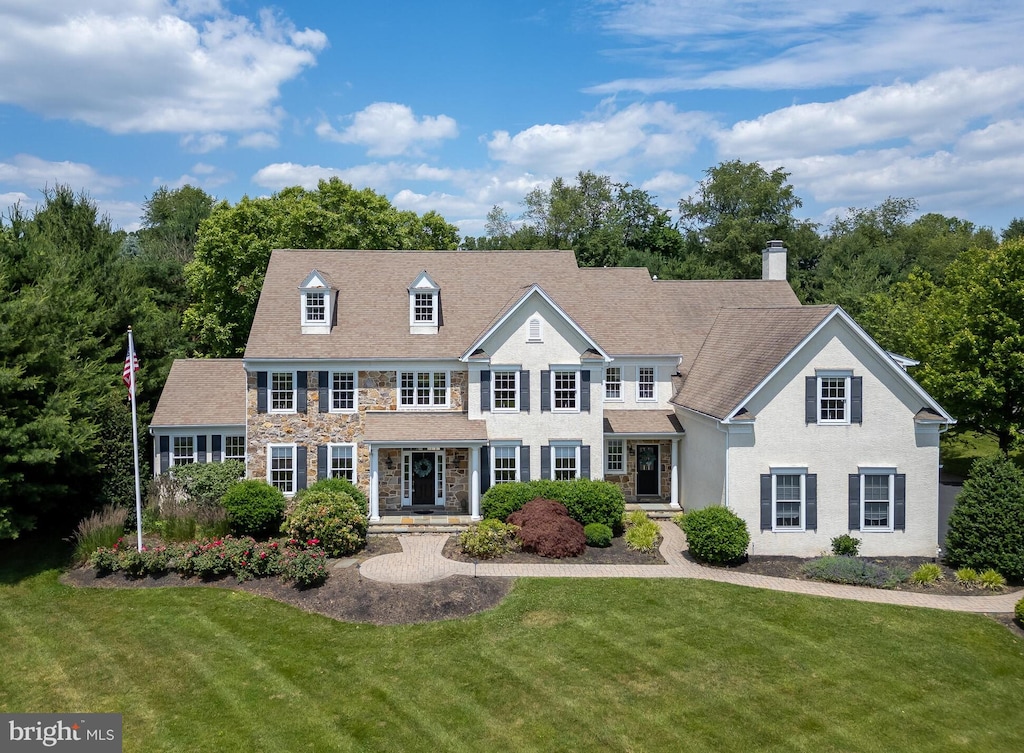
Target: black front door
<point>647,470</point>
<point>424,478</point>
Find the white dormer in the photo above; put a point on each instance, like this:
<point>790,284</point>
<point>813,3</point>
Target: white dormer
<point>316,304</point>
<point>424,305</point>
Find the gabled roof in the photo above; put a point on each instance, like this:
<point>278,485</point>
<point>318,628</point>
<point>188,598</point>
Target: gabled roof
<point>202,392</point>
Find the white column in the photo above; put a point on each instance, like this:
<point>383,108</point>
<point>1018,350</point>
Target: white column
<point>474,483</point>
<point>374,486</point>
<point>674,503</point>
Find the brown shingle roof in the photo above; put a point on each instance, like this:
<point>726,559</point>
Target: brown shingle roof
<point>202,392</point>
<point>400,426</point>
<point>741,349</point>
<point>641,422</point>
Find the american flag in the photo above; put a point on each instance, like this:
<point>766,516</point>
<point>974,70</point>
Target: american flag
<point>131,363</point>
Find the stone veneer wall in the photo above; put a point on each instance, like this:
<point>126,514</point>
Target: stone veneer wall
<point>627,481</point>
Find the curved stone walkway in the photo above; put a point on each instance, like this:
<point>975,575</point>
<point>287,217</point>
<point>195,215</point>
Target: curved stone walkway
<point>421,561</point>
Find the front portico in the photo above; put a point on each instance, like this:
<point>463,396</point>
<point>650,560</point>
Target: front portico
<point>642,454</point>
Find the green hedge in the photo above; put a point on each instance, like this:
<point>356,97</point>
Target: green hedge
<point>587,501</point>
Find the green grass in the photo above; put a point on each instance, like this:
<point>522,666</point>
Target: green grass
<point>959,450</point>
<point>562,665</point>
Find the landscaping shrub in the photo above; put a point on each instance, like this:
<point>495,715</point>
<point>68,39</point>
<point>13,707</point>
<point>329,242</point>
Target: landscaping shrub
<point>305,568</point>
<point>332,517</point>
<point>205,484</point>
<point>598,535</point>
<point>545,528</point>
<point>254,508</point>
<point>967,577</point>
<point>927,574</point>
<point>1018,612</point>
<point>845,545</point>
<point>489,538</point>
<point>992,580</point>
<point>716,535</point>
<point>986,527</point>
<point>642,533</point>
<point>337,484</point>
<point>585,500</point>
<point>854,571</point>
<point>101,529</point>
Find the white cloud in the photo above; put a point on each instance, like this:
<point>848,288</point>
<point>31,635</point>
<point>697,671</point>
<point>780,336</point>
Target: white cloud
<point>203,143</point>
<point>201,175</point>
<point>150,66</point>
<point>379,176</point>
<point>388,129</point>
<point>27,169</point>
<point>259,140</point>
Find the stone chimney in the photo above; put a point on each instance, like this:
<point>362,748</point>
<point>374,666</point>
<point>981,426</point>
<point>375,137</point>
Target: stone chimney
<point>773,261</point>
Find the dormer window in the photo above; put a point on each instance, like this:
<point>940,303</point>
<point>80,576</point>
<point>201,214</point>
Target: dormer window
<point>316,304</point>
<point>424,305</point>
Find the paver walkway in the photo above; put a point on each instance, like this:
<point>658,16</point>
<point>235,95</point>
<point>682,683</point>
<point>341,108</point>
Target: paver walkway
<point>420,561</point>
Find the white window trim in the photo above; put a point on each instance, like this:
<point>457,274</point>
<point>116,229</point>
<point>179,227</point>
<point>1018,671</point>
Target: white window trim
<point>432,321</point>
<point>891,473</point>
<point>431,405</point>
<point>607,398</point>
<point>355,391</point>
<point>821,375</point>
<point>654,385</point>
<point>608,454</point>
<point>306,304</point>
<point>494,390</point>
<point>802,473</point>
<point>555,371</point>
<point>224,447</point>
<point>515,460</point>
<point>270,463</point>
<point>559,445</point>
<point>355,458</point>
<point>172,459</point>
<point>270,393</point>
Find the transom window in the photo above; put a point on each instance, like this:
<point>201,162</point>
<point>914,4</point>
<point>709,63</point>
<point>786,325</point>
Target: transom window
<point>506,464</point>
<point>645,383</point>
<point>342,462</point>
<point>789,500</point>
<point>506,390</point>
<point>423,307</point>
<point>564,390</point>
<point>614,456</point>
<point>565,462</point>
<point>833,399</point>
<point>613,383</point>
<point>316,306</point>
<point>184,451</point>
<point>281,468</point>
<point>876,500</point>
<point>424,389</point>
<point>343,391</point>
<point>282,391</point>
<point>234,448</point>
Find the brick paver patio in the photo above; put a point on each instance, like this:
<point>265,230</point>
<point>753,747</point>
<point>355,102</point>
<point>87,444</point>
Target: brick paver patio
<point>421,562</point>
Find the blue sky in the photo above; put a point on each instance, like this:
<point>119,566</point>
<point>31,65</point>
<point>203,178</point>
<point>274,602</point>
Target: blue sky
<point>461,105</point>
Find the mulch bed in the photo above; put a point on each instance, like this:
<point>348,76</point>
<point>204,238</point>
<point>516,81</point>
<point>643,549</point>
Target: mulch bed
<point>616,554</point>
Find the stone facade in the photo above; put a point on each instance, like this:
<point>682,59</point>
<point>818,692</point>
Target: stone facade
<point>627,481</point>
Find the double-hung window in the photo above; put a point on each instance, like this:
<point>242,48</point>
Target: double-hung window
<point>424,389</point>
<point>788,497</point>
<point>282,392</point>
<point>565,462</point>
<point>315,311</point>
<point>876,501</point>
<point>614,457</point>
<point>281,467</point>
<point>613,383</point>
<point>342,461</point>
<point>423,308</point>
<point>184,451</point>
<point>565,390</point>
<point>505,467</point>
<point>505,390</point>
<point>343,391</point>
<point>645,383</point>
<point>234,448</point>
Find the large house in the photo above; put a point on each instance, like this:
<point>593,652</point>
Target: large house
<point>425,377</point>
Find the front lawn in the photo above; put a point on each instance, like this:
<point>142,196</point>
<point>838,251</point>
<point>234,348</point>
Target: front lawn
<point>562,665</point>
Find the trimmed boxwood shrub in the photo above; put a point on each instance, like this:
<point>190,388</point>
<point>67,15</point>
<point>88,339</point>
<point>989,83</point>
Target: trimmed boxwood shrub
<point>716,535</point>
<point>489,538</point>
<point>332,518</point>
<point>339,484</point>
<point>587,501</point>
<point>545,528</point>
<point>598,534</point>
<point>254,508</point>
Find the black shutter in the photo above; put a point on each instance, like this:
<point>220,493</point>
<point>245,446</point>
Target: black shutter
<point>485,391</point>
<point>165,453</point>
<point>485,468</point>
<point>811,501</point>
<point>585,461</point>
<point>899,512</point>
<point>766,501</point>
<point>854,501</point>
<point>545,461</point>
<point>261,392</point>
<point>217,448</point>
<point>811,400</point>
<point>524,463</point>
<point>524,391</point>
<point>585,390</point>
<point>300,468</point>
<point>301,401</point>
<point>321,462</point>
<point>201,448</point>
<point>545,391</point>
<point>323,380</point>
<point>856,400</point>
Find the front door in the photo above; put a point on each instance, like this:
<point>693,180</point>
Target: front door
<point>647,470</point>
<point>424,478</point>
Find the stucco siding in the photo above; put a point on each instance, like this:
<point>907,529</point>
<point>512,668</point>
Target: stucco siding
<point>701,462</point>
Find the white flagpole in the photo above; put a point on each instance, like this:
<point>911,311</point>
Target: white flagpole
<point>135,437</point>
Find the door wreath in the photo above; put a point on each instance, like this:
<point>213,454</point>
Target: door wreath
<point>422,467</point>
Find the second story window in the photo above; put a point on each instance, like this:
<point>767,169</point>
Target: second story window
<point>424,389</point>
<point>282,392</point>
<point>343,391</point>
<point>645,383</point>
<point>423,308</point>
<point>316,307</point>
<point>506,390</point>
<point>613,383</point>
<point>564,390</point>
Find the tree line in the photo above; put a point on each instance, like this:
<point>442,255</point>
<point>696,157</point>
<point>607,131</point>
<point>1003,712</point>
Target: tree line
<point>189,279</point>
